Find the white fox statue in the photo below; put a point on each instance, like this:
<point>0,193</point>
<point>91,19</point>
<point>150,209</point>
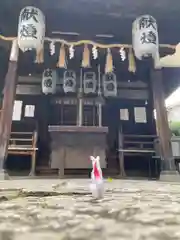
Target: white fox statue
<point>97,183</point>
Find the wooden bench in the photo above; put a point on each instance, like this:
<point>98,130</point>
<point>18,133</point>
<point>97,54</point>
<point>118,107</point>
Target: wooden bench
<point>135,145</point>
<point>24,143</point>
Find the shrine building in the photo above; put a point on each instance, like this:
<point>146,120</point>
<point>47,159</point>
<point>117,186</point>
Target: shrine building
<point>85,79</point>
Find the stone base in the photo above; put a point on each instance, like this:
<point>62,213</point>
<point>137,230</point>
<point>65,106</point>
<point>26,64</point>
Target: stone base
<point>31,174</point>
<point>61,174</point>
<point>169,176</point>
<point>4,175</point>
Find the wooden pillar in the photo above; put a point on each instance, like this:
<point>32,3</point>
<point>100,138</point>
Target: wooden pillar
<point>80,101</point>
<point>80,112</point>
<point>7,106</point>
<point>162,126</point>
<point>100,114</point>
<point>99,98</point>
<point>43,115</point>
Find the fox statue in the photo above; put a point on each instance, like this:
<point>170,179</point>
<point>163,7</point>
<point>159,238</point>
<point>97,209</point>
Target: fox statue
<point>97,183</point>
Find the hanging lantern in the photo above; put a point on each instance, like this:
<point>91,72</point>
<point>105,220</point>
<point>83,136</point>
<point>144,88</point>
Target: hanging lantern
<point>145,37</point>
<point>90,82</point>
<point>110,85</point>
<point>49,81</point>
<point>69,81</point>
<point>31,29</point>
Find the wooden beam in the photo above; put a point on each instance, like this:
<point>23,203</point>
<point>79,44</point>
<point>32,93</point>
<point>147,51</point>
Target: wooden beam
<point>163,131</point>
<point>7,106</point>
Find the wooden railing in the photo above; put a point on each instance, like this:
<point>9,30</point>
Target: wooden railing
<point>24,143</point>
<point>135,145</point>
<point>138,144</point>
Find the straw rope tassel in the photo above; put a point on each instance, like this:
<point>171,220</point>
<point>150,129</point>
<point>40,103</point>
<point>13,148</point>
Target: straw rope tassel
<point>37,57</point>
<point>62,57</point>
<point>109,62</point>
<point>132,64</point>
<point>40,56</point>
<point>86,57</point>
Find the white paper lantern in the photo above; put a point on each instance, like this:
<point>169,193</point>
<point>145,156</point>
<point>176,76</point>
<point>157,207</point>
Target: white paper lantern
<point>110,85</point>
<point>31,29</point>
<point>49,80</point>
<point>145,37</point>
<point>69,81</point>
<point>90,82</point>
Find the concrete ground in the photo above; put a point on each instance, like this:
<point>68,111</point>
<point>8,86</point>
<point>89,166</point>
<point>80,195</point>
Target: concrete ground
<point>64,209</point>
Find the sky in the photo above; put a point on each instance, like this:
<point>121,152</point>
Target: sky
<point>173,99</point>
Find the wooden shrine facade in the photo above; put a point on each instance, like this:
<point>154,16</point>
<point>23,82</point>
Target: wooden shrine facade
<point>72,126</point>
<point>87,118</point>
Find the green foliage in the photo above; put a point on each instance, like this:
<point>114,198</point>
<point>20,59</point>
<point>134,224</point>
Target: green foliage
<point>175,128</point>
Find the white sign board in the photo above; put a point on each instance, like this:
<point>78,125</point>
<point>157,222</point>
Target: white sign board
<point>17,109</point>
<point>140,115</point>
<point>29,111</point>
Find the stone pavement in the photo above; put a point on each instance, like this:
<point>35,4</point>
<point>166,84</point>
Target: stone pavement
<point>64,209</point>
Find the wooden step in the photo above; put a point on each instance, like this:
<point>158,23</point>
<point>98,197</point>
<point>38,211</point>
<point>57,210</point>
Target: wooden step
<point>45,170</point>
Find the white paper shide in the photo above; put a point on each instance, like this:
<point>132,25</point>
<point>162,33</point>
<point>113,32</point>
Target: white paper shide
<point>31,29</point>
<point>145,37</point>
<point>49,80</point>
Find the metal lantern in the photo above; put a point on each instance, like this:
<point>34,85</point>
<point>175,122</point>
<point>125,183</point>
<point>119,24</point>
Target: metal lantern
<point>110,85</point>
<point>90,82</point>
<point>69,81</point>
<point>31,29</point>
<point>49,81</point>
<point>145,37</point>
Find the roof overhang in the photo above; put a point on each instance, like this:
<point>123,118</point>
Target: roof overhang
<point>113,17</point>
